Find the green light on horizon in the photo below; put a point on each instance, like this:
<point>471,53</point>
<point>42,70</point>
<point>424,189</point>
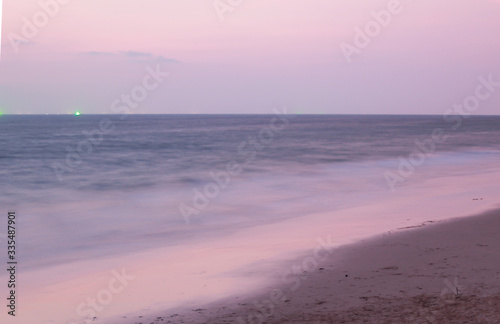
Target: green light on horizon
<point>77,113</point>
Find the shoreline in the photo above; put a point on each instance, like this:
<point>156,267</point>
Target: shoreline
<point>447,270</point>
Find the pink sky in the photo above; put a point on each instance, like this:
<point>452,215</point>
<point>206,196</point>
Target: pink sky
<point>263,54</point>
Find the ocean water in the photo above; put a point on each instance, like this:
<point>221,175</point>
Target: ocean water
<point>123,190</point>
<point>240,188</point>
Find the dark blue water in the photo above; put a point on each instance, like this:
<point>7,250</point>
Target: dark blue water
<point>121,186</point>
<point>159,150</point>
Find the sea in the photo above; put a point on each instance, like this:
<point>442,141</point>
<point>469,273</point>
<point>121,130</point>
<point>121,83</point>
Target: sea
<point>91,188</point>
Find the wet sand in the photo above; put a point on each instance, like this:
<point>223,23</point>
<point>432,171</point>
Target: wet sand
<point>439,272</point>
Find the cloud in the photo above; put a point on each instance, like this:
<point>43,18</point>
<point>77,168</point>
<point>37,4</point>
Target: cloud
<point>135,55</point>
<point>18,41</point>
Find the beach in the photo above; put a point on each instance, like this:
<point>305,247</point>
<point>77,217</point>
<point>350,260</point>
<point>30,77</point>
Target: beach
<point>443,272</point>
<point>249,162</point>
<point>298,234</point>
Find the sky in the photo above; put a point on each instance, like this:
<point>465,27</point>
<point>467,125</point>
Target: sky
<point>248,56</point>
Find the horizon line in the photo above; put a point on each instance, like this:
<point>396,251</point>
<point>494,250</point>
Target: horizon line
<point>233,114</point>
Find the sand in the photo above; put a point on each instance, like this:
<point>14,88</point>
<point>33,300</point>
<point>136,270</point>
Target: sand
<point>439,272</point>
